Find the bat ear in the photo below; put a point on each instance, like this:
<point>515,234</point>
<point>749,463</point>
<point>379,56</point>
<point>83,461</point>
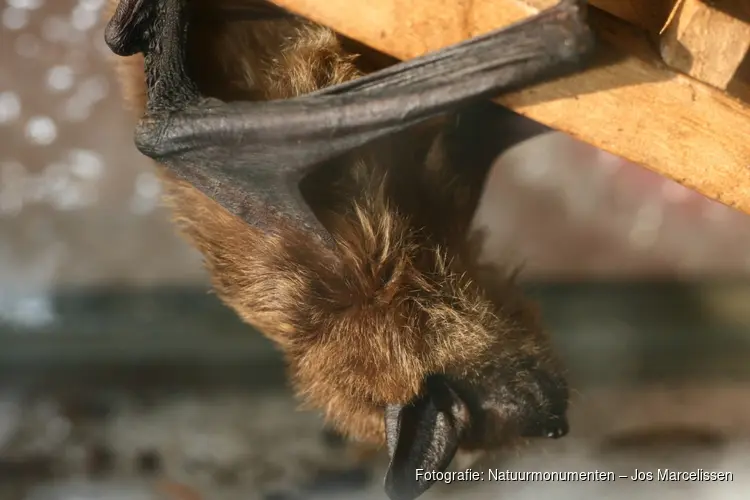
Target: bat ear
<point>422,435</point>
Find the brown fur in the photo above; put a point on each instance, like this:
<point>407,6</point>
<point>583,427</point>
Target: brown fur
<point>400,297</point>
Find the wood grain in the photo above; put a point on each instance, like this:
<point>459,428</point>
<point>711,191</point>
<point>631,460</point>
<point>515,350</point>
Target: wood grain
<point>707,43</point>
<point>628,103</point>
<point>647,14</point>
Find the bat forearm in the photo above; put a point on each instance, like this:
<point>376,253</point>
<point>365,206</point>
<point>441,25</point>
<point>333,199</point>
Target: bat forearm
<point>545,46</point>
<point>276,143</point>
<point>548,45</point>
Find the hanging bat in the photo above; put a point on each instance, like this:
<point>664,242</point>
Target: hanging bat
<point>333,207</point>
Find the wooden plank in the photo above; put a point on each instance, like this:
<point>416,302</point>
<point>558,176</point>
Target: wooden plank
<point>629,103</point>
<point>647,14</point>
<point>708,41</point>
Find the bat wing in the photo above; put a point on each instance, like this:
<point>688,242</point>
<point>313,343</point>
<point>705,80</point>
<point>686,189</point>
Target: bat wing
<point>251,156</point>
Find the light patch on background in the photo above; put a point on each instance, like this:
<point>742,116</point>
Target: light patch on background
<point>10,106</point>
<point>15,19</point>
<point>146,196</point>
<point>12,179</point>
<point>646,225</point>
<point>41,130</point>
<point>83,18</point>
<point>25,299</point>
<point>57,29</point>
<point>28,46</point>
<point>86,164</point>
<point>60,78</point>
<point>71,183</point>
<point>26,4</point>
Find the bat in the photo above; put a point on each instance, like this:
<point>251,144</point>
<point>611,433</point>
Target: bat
<point>333,206</point>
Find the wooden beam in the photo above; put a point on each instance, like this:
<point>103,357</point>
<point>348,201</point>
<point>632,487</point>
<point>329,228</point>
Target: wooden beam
<point>647,14</point>
<point>629,103</point>
<point>650,15</point>
<point>708,41</point>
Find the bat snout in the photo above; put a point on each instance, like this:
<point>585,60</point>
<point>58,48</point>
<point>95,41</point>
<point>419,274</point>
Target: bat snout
<point>449,415</point>
<point>553,427</point>
<point>548,418</point>
<point>529,403</point>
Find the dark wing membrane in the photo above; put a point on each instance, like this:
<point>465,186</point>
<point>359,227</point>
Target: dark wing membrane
<point>250,157</point>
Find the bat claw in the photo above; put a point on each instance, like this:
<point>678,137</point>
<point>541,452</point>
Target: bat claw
<point>158,29</point>
<point>126,32</point>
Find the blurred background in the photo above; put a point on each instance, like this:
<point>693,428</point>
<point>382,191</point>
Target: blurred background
<point>123,377</point>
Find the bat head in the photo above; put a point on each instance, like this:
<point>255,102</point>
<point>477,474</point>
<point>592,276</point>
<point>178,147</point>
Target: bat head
<point>482,413</point>
<point>427,355</point>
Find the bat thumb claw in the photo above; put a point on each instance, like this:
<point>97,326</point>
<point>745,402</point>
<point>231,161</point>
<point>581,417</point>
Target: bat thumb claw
<point>127,31</point>
<point>124,32</point>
